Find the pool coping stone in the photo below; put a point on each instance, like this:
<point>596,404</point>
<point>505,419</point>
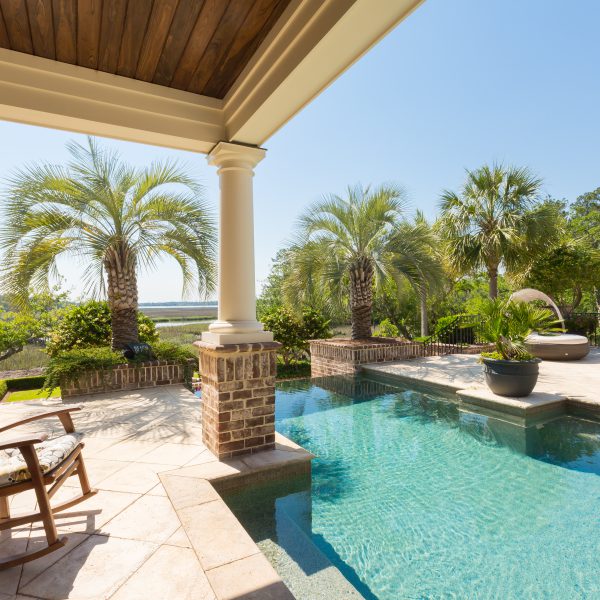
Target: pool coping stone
<point>215,534</point>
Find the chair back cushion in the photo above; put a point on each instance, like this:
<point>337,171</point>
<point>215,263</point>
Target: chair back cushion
<point>51,454</point>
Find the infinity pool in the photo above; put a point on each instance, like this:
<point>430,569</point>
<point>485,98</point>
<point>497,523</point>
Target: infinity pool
<point>413,498</point>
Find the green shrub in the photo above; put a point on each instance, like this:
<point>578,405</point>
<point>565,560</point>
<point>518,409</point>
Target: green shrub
<point>498,356</point>
<point>25,383</point>
<point>3,388</point>
<point>387,329</point>
<point>300,368</point>
<point>69,365</point>
<point>294,333</point>
<point>314,326</point>
<point>173,352</point>
<point>88,325</point>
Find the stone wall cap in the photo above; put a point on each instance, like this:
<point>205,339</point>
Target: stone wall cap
<point>374,342</point>
<point>232,348</point>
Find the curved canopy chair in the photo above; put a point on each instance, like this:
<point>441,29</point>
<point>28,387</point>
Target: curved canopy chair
<point>557,346</point>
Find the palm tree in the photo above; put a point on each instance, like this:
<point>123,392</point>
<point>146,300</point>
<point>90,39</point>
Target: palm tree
<point>495,221</point>
<point>420,249</point>
<point>116,218</point>
<point>353,243</point>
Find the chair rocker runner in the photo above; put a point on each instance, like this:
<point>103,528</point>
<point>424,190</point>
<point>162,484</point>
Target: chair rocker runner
<point>31,462</point>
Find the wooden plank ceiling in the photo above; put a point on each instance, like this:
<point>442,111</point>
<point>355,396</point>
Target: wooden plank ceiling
<point>196,45</point>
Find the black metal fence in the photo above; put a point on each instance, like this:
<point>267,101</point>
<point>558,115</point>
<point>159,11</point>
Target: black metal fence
<point>587,324</point>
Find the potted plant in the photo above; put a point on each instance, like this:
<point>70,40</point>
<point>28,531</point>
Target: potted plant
<point>511,370</point>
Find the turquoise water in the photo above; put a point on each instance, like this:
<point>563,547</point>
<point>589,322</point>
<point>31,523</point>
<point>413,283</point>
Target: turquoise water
<point>412,498</point>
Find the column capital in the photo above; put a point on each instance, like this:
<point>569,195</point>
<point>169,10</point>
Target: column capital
<point>228,154</point>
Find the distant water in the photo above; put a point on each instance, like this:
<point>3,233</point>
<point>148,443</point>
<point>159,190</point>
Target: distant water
<point>179,307</point>
<point>161,324</point>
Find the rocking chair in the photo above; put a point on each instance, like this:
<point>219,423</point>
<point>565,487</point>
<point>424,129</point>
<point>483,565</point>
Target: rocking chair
<point>31,462</point>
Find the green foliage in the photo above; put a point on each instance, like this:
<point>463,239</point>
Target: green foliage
<point>19,327</point>
<point>314,326</point>
<point>69,365</point>
<point>495,221</point>
<point>582,324</point>
<point>295,370</point>
<point>89,324</point>
<point>397,301</point>
<point>3,388</point>
<point>173,352</point>
<point>15,331</point>
<point>466,295</point>
<point>25,383</point>
<point>387,329</point>
<point>565,273</point>
<point>585,217</point>
<point>293,332</point>
<point>443,323</point>
<point>499,356</point>
<point>507,324</point>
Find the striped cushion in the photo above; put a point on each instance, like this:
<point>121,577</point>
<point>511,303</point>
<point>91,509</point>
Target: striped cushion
<point>51,453</point>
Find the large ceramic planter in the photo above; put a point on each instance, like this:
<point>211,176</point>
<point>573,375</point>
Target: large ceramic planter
<point>511,377</point>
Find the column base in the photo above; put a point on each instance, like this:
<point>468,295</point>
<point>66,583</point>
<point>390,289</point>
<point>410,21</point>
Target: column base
<point>238,397</point>
<point>222,339</point>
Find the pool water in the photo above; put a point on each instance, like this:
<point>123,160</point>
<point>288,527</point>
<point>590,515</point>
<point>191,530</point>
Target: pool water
<point>411,497</point>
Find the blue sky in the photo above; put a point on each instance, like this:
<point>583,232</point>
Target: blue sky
<point>459,83</point>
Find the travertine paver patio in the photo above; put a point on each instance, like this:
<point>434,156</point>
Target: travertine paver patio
<point>127,542</point>
<point>575,382</point>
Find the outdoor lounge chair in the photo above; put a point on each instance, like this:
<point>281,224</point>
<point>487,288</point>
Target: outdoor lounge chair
<point>32,462</point>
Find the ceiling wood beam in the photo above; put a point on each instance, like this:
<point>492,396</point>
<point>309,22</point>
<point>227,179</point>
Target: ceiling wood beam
<point>47,93</point>
<point>313,43</point>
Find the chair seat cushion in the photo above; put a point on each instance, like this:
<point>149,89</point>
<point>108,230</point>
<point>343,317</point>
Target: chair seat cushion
<point>51,454</point>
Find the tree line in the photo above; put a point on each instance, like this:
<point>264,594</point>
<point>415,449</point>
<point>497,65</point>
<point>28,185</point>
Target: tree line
<point>360,257</point>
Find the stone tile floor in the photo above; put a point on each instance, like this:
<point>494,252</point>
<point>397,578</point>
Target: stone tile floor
<point>127,542</point>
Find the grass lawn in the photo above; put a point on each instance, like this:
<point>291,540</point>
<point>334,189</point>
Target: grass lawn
<point>38,394</point>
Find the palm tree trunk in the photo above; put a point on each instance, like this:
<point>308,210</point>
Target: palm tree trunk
<point>424,315</point>
<point>493,277</point>
<point>123,302</point>
<point>361,298</point>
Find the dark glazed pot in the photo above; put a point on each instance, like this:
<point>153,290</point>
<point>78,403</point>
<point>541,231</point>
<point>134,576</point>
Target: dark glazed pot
<point>511,377</point>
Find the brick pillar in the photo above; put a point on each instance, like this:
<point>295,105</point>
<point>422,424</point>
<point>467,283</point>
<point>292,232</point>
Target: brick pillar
<point>238,397</point>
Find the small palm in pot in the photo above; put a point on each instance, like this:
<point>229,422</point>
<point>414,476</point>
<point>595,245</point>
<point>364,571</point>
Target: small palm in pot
<point>511,370</point>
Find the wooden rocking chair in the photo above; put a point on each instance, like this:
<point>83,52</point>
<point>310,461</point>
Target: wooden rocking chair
<point>29,462</point>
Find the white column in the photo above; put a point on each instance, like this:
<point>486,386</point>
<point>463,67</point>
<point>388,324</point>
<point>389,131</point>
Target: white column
<point>236,322</point>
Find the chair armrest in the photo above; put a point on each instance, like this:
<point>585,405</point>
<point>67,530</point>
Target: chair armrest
<point>23,440</point>
<point>62,412</point>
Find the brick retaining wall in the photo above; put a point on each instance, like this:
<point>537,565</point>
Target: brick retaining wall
<point>345,357</point>
<point>129,377</point>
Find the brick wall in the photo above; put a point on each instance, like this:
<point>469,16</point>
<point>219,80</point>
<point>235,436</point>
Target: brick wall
<point>238,397</point>
<point>345,357</point>
<point>129,377</point>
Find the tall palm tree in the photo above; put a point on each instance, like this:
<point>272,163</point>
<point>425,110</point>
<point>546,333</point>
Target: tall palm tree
<point>116,218</point>
<point>427,273</point>
<point>351,244</point>
<point>495,221</point>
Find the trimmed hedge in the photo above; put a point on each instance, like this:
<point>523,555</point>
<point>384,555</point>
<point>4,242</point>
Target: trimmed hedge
<point>25,383</point>
<point>3,388</point>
